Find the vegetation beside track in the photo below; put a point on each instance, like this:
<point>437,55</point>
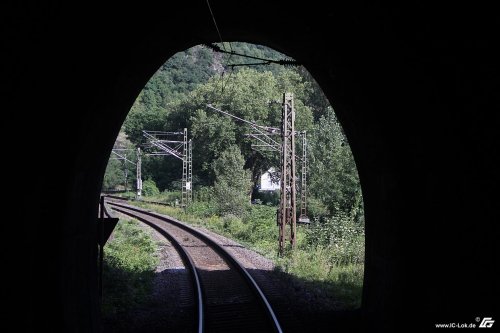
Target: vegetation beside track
<point>227,170</point>
<point>329,255</point>
<point>129,264</point>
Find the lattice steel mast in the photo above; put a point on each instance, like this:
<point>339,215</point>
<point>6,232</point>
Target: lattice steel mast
<point>190,173</point>
<point>187,172</point>
<point>138,173</point>
<point>303,218</point>
<point>179,149</point>
<point>287,216</point>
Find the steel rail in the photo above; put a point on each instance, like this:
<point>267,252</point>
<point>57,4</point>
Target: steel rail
<point>188,262</point>
<point>138,200</point>
<point>248,278</point>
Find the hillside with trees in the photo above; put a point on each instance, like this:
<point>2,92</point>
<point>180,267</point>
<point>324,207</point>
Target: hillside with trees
<point>226,170</point>
<point>176,98</point>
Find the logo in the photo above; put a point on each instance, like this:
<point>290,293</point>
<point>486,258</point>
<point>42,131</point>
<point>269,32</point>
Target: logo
<point>487,322</point>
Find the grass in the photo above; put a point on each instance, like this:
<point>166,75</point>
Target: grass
<point>129,264</point>
<point>315,264</point>
<point>315,268</point>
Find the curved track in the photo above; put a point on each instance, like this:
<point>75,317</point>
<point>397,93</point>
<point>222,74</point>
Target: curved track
<point>229,299</point>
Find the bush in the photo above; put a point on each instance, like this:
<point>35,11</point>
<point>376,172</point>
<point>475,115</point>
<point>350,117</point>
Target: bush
<point>230,202</point>
<point>232,183</point>
<point>341,236</point>
<point>316,209</point>
<point>270,198</point>
<point>204,194</point>
<point>169,195</point>
<point>149,188</point>
<point>202,209</point>
<point>234,226</point>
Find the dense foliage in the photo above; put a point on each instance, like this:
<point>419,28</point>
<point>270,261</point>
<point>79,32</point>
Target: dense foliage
<point>232,183</point>
<point>226,170</point>
<point>333,178</point>
<point>120,173</point>
<point>176,97</point>
<point>149,188</point>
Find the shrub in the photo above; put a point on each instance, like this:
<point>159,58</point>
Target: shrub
<point>149,188</point>
<point>202,209</point>
<point>343,238</point>
<point>232,183</point>
<point>270,198</point>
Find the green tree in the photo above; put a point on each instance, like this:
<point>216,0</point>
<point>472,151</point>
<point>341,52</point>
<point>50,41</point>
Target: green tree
<point>149,188</point>
<point>333,177</point>
<point>182,73</point>
<point>140,118</point>
<point>315,99</point>
<point>113,177</point>
<point>248,94</point>
<point>177,96</point>
<point>232,184</point>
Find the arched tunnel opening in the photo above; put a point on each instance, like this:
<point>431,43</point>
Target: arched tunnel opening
<point>414,88</point>
<point>204,142</point>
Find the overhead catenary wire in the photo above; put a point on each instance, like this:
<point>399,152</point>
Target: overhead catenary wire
<point>249,64</point>
<point>253,124</point>
<point>285,62</point>
<point>286,217</point>
<point>161,144</point>
<point>221,78</point>
<point>216,26</point>
<point>263,131</point>
<point>121,157</point>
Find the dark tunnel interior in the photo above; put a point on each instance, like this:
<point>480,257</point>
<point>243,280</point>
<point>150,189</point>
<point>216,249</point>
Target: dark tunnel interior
<point>415,88</point>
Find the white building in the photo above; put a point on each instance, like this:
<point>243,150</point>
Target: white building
<point>266,183</point>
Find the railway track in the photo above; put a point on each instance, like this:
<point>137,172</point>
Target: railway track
<point>114,197</point>
<point>228,298</point>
